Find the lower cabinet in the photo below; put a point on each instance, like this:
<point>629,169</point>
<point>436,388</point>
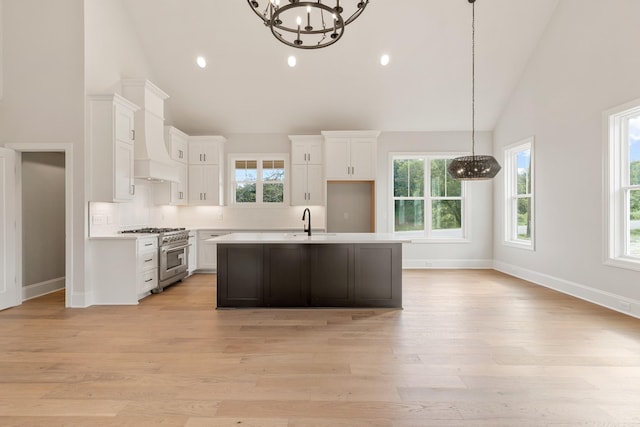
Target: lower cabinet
<point>207,254</point>
<point>123,270</point>
<point>309,275</point>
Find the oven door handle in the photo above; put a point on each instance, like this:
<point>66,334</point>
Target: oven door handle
<point>174,248</point>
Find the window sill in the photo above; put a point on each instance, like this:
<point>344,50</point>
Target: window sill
<point>626,263</point>
<point>520,245</point>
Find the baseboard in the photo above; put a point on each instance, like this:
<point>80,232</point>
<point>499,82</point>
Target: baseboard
<point>611,301</point>
<point>43,288</point>
<point>416,264</point>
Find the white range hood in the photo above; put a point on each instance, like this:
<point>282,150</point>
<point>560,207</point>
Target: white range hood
<point>151,158</point>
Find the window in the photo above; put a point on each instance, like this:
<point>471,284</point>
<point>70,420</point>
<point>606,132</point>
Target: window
<point>258,180</point>
<point>426,199</point>
<point>623,186</point>
<point>519,199</point>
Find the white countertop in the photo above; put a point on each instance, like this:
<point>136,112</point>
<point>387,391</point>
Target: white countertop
<point>301,237</point>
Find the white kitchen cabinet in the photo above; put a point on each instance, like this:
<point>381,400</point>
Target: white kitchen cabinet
<point>307,180</point>
<point>207,251</point>
<point>205,185</point>
<point>206,170</point>
<point>206,150</point>
<point>111,136</point>
<point>192,260</point>
<point>306,149</point>
<point>175,193</point>
<point>351,155</point>
<point>123,270</point>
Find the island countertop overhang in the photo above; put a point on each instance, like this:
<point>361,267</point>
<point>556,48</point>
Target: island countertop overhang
<point>303,238</point>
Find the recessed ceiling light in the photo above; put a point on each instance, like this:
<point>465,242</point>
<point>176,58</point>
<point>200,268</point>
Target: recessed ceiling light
<point>201,61</point>
<point>384,60</point>
<point>292,61</point>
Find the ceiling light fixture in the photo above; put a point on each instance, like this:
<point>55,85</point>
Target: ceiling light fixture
<point>201,61</point>
<point>292,61</point>
<point>384,60</point>
<point>471,168</point>
<point>308,24</point>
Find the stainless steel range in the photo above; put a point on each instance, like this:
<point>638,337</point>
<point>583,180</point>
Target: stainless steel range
<point>173,251</point>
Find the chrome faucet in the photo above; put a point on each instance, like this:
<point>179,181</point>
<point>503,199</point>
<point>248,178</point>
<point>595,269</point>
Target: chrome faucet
<point>307,227</point>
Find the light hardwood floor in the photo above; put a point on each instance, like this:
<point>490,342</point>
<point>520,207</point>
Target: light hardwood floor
<point>470,348</point>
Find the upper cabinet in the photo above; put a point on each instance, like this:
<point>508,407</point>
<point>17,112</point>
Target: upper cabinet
<point>351,155</point>
<point>306,149</point>
<point>111,136</point>
<point>206,170</point>
<point>307,183</point>
<point>175,193</point>
<point>206,150</point>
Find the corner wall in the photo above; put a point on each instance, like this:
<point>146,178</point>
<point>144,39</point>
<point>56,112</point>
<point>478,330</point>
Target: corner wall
<point>586,63</point>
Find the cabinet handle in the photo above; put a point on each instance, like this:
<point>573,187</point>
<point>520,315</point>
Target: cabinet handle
<point>133,134</point>
<point>204,156</point>
<point>148,244</point>
<point>132,189</point>
<point>205,196</point>
<point>200,157</point>
<point>148,280</point>
<point>180,154</point>
<point>148,260</point>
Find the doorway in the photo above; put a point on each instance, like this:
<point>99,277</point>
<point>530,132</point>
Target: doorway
<point>43,225</point>
<point>52,160</point>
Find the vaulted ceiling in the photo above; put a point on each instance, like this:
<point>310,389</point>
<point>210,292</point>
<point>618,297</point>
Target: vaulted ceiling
<point>249,88</point>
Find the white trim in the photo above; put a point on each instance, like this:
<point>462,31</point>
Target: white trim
<point>510,181</point>
<point>425,264</point>
<point>615,176</point>
<point>43,288</point>
<point>428,235</point>
<point>67,148</point>
<point>609,300</point>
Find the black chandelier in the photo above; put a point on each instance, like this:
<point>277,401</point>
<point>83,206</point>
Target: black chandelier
<point>473,167</point>
<point>308,24</point>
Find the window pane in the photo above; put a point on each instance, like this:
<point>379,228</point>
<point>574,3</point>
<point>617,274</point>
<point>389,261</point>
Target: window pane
<point>523,162</point>
<point>409,215</point>
<point>408,178</point>
<point>524,218</point>
<point>245,193</point>
<point>246,170</point>
<point>634,151</point>
<point>446,214</point>
<point>634,224</point>
<point>273,170</point>
<point>442,185</point>
<point>273,193</point>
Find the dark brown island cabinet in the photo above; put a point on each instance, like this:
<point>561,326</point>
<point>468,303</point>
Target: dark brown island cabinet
<point>309,275</point>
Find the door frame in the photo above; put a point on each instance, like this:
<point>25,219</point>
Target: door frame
<point>67,149</point>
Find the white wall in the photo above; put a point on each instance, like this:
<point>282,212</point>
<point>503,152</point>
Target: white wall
<point>586,62</point>
<point>112,48</point>
<point>43,93</point>
<point>477,252</point>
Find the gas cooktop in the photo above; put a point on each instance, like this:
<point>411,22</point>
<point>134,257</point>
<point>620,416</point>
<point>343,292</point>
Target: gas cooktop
<point>155,230</point>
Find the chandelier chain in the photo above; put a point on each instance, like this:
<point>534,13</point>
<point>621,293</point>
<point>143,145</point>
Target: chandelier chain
<point>473,79</point>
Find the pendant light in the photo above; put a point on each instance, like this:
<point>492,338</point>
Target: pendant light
<point>473,167</point>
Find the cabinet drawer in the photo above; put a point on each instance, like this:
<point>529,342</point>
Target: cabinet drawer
<point>147,261</point>
<point>147,244</point>
<point>147,281</point>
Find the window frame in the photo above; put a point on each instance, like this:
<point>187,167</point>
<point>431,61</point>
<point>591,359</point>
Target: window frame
<point>259,159</point>
<point>511,195</point>
<point>428,235</point>
<point>617,185</point>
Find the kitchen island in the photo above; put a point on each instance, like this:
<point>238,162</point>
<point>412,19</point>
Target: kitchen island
<point>321,270</point>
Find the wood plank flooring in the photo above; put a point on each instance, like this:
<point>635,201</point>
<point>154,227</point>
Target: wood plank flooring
<point>470,348</point>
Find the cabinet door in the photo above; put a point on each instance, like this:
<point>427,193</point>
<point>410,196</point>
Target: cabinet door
<point>337,158</point>
<point>205,153</point>
<point>204,185</point>
<point>306,152</point>
<point>124,188</point>
<point>299,192</point>
<point>332,275</point>
<point>285,276</point>
<point>124,123</point>
<point>315,185</point>
<point>298,152</point>
<point>178,149</point>
<point>207,254</point>
<point>195,182</point>
<point>179,189</point>
<point>363,159</point>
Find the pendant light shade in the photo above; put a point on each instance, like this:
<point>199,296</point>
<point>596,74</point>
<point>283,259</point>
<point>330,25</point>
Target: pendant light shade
<point>473,167</point>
